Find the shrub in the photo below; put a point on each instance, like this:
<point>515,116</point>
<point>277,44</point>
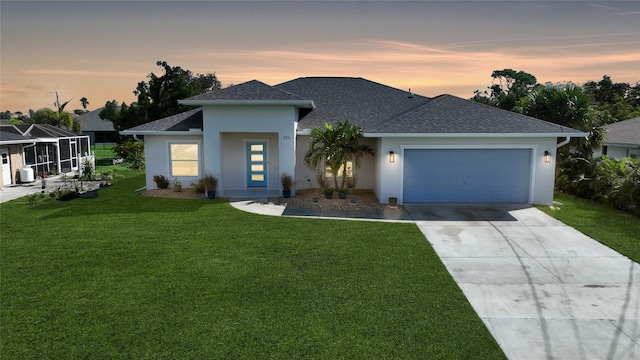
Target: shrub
<point>199,187</point>
<point>604,180</point>
<point>161,181</point>
<point>287,181</point>
<point>210,182</point>
<point>132,152</point>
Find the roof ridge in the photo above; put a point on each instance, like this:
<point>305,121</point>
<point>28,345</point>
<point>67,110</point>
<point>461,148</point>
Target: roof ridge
<point>392,117</point>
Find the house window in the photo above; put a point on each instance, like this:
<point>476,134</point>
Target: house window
<point>184,160</point>
<point>329,174</point>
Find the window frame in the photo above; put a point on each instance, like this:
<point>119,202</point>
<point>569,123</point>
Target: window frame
<point>197,160</point>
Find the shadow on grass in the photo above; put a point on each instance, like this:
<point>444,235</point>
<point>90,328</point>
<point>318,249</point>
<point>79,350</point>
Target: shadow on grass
<point>121,198</point>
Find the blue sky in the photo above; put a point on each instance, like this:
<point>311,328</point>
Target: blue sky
<point>102,49</point>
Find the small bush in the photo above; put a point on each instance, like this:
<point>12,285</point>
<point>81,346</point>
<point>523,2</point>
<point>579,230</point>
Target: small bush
<point>132,152</point>
<point>161,181</point>
<point>199,187</point>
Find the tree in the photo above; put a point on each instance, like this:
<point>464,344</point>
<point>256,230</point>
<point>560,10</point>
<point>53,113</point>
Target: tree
<point>84,103</point>
<point>334,147</point>
<point>615,101</point>
<point>158,98</point>
<point>511,86</point>
<point>568,105</point>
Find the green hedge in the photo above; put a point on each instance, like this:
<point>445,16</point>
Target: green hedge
<point>602,179</point>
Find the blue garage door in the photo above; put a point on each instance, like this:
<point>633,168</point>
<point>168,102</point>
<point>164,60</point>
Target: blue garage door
<point>467,175</point>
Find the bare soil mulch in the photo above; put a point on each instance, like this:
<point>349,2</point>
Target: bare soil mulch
<point>304,199</point>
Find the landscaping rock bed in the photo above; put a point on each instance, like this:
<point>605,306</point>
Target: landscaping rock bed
<point>304,199</point>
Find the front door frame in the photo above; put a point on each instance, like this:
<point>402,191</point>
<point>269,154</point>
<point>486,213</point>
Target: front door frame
<point>251,183</point>
<point>6,174</point>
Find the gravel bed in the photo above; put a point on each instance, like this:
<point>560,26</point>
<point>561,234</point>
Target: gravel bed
<point>304,199</point>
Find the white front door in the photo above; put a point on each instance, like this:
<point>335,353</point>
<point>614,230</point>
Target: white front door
<point>6,167</point>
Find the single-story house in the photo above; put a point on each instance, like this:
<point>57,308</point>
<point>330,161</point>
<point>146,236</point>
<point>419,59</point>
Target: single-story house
<point>42,148</point>
<point>100,131</point>
<point>622,139</point>
<point>441,149</point>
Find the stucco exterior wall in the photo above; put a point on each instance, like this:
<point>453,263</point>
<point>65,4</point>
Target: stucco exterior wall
<point>234,161</point>
<point>389,175</point>
<point>619,152</point>
<point>277,124</point>
<point>306,177</point>
<point>157,157</point>
<point>15,162</point>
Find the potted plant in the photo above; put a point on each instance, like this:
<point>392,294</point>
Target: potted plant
<point>328,192</point>
<point>342,193</point>
<point>177,186</point>
<point>210,185</point>
<point>287,183</point>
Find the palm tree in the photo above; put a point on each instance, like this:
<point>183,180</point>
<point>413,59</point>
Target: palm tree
<point>84,103</point>
<point>324,148</point>
<point>350,147</point>
<point>335,146</point>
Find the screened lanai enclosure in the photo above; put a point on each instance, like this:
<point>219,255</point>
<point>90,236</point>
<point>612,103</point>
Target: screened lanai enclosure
<point>50,150</point>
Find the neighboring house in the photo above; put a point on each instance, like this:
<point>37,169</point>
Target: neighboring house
<point>442,149</point>
<point>622,139</point>
<point>100,131</point>
<point>44,148</point>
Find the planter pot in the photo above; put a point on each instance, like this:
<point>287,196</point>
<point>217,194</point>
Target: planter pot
<point>286,193</point>
<point>342,195</point>
<point>315,199</point>
<point>328,195</point>
<point>177,188</point>
<point>211,194</point>
<point>393,201</point>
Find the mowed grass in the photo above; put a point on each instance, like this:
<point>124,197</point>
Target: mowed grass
<point>616,229</point>
<point>127,276</point>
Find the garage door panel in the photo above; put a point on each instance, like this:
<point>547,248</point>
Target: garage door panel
<point>467,175</point>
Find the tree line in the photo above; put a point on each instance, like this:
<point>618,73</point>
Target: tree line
<point>586,108</point>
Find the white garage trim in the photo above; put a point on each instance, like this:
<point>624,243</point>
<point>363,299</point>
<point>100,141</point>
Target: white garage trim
<point>532,169</point>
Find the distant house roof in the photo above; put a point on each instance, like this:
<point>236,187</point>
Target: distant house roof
<point>375,107</point>
<point>185,121</point>
<point>24,133</point>
<point>91,121</point>
<point>10,135</point>
<point>625,132</point>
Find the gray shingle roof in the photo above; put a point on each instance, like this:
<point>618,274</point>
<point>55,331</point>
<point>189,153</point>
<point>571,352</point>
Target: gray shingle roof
<point>450,114</point>
<point>624,132</point>
<point>251,90</point>
<point>375,107</point>
<point>91,121</point>
<point>191,119</point>
<point>6,135</point>
<point>357,100</point>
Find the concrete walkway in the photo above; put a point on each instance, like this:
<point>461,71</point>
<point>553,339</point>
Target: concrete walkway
<point>543,289</point>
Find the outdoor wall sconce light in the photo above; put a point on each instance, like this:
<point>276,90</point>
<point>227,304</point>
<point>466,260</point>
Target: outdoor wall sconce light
<point>392,157</point>
<point>547,156</point>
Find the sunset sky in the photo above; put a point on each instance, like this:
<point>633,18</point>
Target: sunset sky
<point>101,49</point>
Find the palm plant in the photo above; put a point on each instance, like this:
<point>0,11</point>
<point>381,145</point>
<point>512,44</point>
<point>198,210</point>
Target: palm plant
<point>336,146</point>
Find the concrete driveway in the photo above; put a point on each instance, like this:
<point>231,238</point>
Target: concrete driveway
<point>543,289</point>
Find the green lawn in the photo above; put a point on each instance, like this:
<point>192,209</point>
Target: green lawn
<point>616,229</point>
<point>104,154</point>
<point>127,276</point>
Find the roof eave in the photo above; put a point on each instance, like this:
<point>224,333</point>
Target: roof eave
<point>160,132</point>
<point>476,135</point>
<point>307,104</point>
